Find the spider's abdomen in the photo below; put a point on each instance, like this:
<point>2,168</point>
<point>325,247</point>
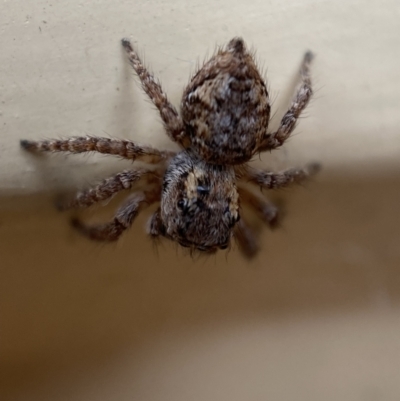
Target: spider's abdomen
<point>225,107</point>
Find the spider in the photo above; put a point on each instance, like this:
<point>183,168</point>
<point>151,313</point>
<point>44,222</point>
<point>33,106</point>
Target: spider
<point>223,121</point>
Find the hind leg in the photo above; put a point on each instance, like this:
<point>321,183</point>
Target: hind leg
<point>299,103</point>
<point>154,91</point>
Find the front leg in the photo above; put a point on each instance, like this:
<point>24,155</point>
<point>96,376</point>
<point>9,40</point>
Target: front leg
<point>266,210</point>
<point>246,239</point>
<point>123,219</point>
<point>155,226</point>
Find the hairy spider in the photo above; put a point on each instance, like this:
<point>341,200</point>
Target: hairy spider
<point>223,123</point>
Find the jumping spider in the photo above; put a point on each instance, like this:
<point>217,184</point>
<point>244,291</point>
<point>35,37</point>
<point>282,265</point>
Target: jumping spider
<point>223,123</point>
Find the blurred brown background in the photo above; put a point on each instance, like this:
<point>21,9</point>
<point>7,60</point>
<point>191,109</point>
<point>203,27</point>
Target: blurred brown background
<point>315,316</point>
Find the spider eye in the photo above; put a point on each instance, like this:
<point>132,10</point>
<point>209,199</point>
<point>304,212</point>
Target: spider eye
<point>182,204</point>
<point>203,190</point>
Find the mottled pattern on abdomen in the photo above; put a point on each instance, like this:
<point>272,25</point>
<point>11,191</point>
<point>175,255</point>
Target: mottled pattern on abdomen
<point>226,108</point>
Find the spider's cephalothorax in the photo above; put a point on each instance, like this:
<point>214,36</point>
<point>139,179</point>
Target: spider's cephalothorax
<point>199,202</point>
<point>224,118</point>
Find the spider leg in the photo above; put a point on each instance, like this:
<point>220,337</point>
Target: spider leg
<point>169,115</point>
<point>122,220</point>
<point>268,212</point>
<point>155,226</point>
<point>117,147</point>
<point>106,189</point>
<point>299,103</point>
<point>270,180</point>
<point>246,239</point>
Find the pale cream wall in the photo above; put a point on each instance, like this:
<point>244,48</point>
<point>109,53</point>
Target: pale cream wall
<point>314,317</point>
